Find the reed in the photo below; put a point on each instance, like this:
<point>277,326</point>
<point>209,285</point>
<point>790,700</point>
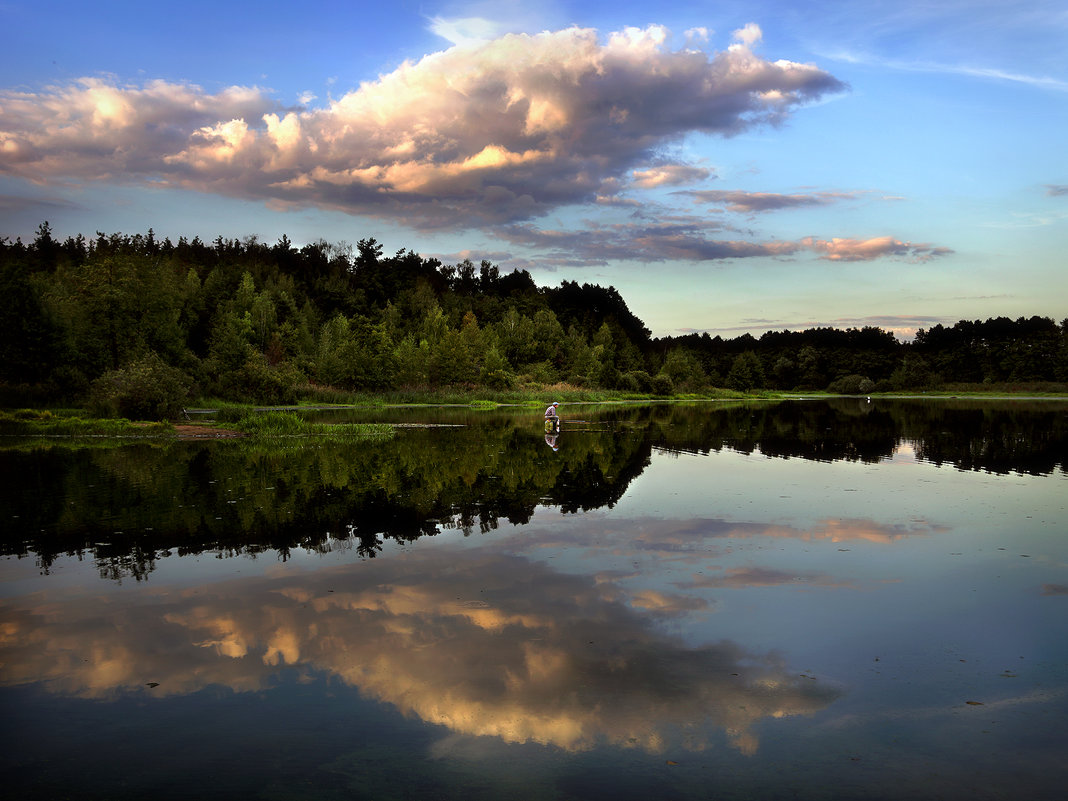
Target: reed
<point>47,423</point>
<point>284,423</point>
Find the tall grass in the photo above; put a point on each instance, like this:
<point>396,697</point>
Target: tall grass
<point>291,424</point>
<point>46,423</point>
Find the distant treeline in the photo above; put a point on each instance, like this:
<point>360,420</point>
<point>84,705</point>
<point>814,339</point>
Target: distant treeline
<point>135,325</point>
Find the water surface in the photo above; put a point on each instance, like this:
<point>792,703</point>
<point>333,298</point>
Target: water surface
<point>804,599</point>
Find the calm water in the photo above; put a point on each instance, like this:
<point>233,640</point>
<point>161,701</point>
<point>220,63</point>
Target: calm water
<point>811,599</point>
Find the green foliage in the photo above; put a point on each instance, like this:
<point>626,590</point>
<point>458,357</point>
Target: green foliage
<point>683,369</point>
<point>257,379</point>
<point>913,373</point>
<point>33,422</point>
<point>496,372</point>
<point>273,324</point>
<point>852,385</point>
<point>662,385</point>
<point>276,423</point>
<point>637,381</point>
<point>145,389</point>
<point>746,372</point>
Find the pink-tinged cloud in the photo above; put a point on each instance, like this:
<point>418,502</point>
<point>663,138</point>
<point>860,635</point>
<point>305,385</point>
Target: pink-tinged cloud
<point>669,175</point>
<point>475,135</point>
<point>745,577</point>
<point>688,239</point>
<point>904,326</point>
<point>871,249</point>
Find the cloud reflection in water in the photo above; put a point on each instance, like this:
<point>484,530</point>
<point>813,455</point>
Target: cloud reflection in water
<point>484,644</point>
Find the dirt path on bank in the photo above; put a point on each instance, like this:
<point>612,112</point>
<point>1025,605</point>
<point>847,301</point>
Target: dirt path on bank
<point>186,431</point>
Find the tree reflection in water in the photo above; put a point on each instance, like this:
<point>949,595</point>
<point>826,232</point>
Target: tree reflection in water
<point>129,506</point>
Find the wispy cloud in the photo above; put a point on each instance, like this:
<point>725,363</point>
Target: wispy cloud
<point>477,135</point>
<point>903,326</point>
<point>934,67</point>
<point>744,577</point>
<point>466,30</point>
<point>748,202</point>
<point>669,175</point>
<point>691,239</point>
<point>877,247</point>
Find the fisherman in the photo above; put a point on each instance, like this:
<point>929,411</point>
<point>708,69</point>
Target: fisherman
<point>552,419</point>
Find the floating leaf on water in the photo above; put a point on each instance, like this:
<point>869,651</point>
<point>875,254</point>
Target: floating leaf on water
<point>152,684</point>
<point>974,703</point>
<point>672,762</point>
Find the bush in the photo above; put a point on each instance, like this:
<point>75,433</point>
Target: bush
<point>637,381</point>
<point>913,373</point>
<point>851,385</point>
<point>258,382</point>
<point>146,389</point>
<point>662,384</point>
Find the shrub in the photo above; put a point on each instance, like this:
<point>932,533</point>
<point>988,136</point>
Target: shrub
<point>146,389</point>
<point>851,385</point>
<point>662,384</point>
<point>259,382</point>
<point>637,381</point>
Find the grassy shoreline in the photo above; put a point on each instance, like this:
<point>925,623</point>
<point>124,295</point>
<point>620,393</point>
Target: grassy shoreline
<point>273,421</point>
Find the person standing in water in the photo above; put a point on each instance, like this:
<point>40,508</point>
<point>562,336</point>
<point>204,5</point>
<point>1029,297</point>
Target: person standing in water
<point>552,418</point>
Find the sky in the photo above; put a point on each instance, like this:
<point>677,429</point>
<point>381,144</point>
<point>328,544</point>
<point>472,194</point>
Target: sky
<point>729,167</point>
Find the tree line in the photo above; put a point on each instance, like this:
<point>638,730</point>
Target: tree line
<point>133,324</point>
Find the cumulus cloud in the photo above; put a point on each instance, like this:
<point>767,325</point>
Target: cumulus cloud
<point>484,133</point>
<point>748,35</point>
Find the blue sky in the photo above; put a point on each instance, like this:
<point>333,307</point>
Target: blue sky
<point>728,166</point>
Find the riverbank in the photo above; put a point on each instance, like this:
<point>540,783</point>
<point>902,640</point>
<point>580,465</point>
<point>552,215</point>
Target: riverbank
<point>211,418</point>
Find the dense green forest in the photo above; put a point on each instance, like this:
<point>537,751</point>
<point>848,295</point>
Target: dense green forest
<point>137,326</point>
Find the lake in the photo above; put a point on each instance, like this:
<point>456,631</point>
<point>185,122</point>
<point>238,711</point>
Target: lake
<point>817,599</point>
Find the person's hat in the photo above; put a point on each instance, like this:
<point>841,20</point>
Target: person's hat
<point>555,403</point>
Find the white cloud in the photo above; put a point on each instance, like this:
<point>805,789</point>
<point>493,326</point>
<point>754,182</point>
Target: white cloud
<point>748,35</point>
<point>466,31</point>
<point>940,68</point>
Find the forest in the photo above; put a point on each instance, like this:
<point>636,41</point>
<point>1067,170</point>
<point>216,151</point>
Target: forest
<point>131,325</point>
